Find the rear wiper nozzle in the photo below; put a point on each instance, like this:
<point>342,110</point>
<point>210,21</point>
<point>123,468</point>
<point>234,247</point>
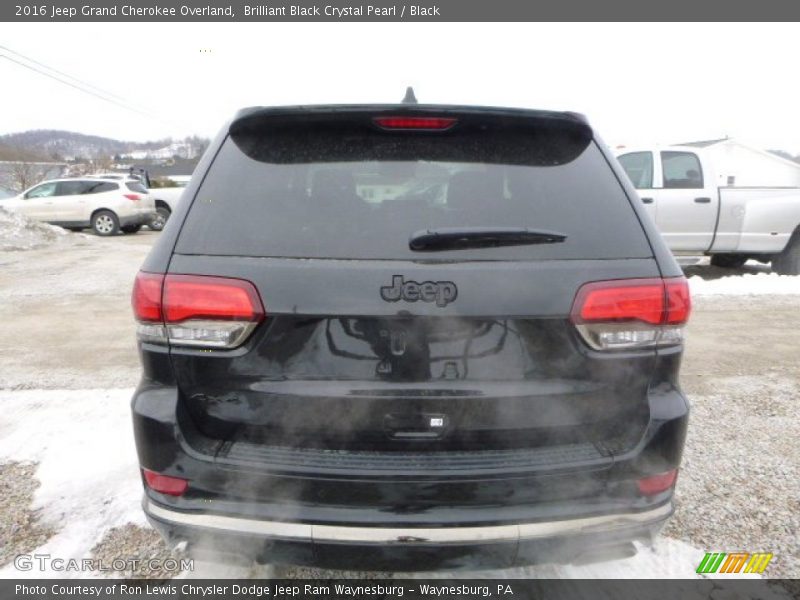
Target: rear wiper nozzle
<point>458,238</point>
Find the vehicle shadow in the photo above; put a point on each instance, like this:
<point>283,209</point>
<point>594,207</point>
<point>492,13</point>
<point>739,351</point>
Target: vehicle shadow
<point>710,272</point>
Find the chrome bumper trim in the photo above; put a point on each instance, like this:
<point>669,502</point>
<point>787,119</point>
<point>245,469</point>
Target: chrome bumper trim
<point>334,533</point>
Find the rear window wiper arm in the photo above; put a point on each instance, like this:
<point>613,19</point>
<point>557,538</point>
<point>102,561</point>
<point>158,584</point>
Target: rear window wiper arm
<point>458,238</point>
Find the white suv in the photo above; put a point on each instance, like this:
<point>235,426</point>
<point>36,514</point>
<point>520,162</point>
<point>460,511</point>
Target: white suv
<point>107,206</point>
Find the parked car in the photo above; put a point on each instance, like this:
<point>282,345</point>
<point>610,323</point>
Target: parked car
<point>415,337</point>
<point>166,199</point>
<point>698,213</point>
<point>107,206</point>
<point>115,176</point>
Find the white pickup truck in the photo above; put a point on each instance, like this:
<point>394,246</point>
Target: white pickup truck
<point>698,213</point>
<point>166,199</point>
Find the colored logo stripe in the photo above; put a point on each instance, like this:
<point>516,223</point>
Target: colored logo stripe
<point>734,562</point>
<point>755,563</point>
<point>710,562</point>
<point>758,562</point>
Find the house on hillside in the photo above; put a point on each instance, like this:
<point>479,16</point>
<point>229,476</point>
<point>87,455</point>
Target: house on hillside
<point>741,165</point>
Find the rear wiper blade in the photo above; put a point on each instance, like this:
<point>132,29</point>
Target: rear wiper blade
<point>457,238</point>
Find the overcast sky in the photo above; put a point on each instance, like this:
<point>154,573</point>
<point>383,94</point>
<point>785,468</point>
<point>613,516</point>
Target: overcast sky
<point>638,83</point>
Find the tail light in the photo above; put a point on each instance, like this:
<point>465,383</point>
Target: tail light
<point>195,310</point>
<point>655,484</point>
<point>134,197</point>
<point>632,313</point>
<point>164,484</point>
<point>410,123</point>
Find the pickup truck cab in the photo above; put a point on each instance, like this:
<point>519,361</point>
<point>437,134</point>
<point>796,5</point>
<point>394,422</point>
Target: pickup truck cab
<point>700,211</point>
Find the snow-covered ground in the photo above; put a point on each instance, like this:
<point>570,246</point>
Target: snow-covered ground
<point>755,284</point>
<point>88,474</point>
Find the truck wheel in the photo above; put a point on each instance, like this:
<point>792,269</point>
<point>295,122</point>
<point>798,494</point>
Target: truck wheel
<point>728,261</point>
<point>131,228</point>
<point>158,222</point>
<point>788,261</point>
<point>105,223</point>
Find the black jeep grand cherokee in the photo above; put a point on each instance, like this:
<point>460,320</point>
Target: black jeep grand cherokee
<point>410,337</point>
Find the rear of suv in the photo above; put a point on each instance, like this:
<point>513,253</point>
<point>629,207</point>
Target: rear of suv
<point>410,337</point>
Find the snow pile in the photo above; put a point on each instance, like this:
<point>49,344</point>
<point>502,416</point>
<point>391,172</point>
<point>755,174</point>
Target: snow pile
<point>88,470</point>
<point>759,284</point>
<point>18,232</point>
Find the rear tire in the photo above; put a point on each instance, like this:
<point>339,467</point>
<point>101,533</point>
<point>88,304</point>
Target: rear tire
<point>131,228</point>
<point>160,220</point>
<point>788,261</point>
<point>728,261</point>
<point>105,223</point>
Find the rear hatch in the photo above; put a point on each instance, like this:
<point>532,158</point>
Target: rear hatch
<point>417,270</point>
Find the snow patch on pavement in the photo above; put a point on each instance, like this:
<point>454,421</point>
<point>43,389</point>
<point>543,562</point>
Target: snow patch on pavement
<point>88,470</point>
<point>758,284</point>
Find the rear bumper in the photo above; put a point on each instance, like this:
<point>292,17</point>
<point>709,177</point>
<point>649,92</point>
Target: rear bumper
<point>353,514</point>
<point>580,539</point>
<point>138,218</point>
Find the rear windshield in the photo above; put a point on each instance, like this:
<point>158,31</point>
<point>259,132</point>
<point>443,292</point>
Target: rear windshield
<point>356,193</point>
<point>136,187</point>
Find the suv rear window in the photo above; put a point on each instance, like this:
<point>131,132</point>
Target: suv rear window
<point>135,186</point>
<point>328,190</point>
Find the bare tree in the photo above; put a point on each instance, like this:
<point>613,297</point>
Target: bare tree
<point>23,174</point>
<point>100,164</point>
<point>21,169</point>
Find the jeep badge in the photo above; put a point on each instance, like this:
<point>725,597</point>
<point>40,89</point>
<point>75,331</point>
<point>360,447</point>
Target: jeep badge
<point>441,292</point>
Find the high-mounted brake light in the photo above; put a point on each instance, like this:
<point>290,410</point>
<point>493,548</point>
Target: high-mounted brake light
<point>134,197</point>
<point>164,484</point>
<point>195,310</point>
<point>433,123</point>
<point>632,313</point>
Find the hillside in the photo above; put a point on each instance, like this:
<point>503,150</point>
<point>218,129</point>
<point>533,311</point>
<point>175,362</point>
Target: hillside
<point>12,153</point>
<point>49,144</point>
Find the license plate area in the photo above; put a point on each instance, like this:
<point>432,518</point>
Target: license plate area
<point>415,426</point>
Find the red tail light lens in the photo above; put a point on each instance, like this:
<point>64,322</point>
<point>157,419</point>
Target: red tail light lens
<point>655,484</point>
<point>631,313</point>
<point>679,302</point>
<point>194,310</point>
<point>146,298</point>
<point>192,297</point>
<point>435,123</point>
<point>637,300</point>
<point>134,197</point>
<point>164,484</point>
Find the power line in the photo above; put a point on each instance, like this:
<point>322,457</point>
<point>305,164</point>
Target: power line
<point>67,75</point>
<point>77,87</point>
<point>82,86</point>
